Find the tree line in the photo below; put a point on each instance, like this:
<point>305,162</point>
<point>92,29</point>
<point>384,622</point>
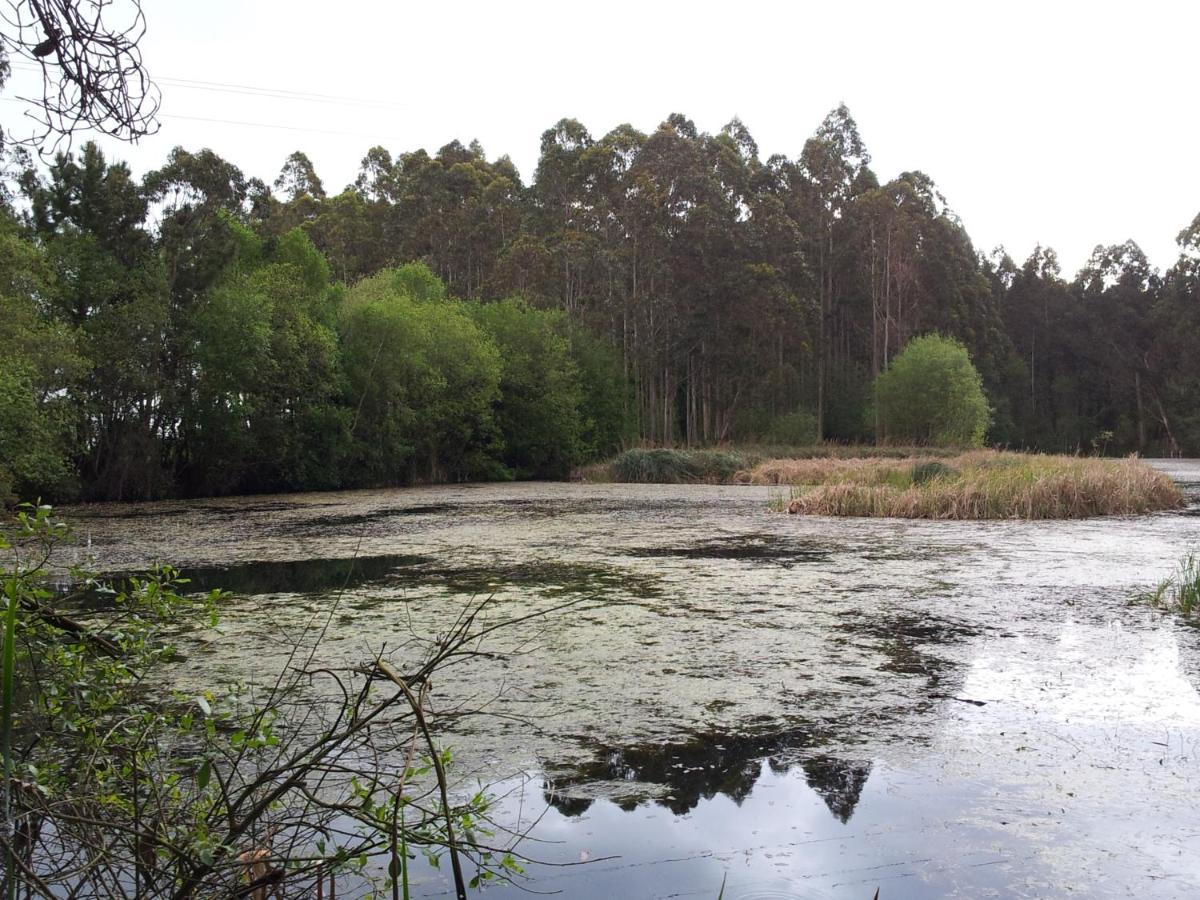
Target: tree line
<point>199,331</point>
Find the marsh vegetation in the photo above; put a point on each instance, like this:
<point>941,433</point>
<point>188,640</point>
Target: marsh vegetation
<point>982,484</point>
<point>912,482</point>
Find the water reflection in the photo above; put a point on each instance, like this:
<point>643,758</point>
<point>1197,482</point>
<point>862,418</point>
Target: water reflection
<point>758,548</point>
<point>839,782</point>
<point>301,576</point>
<point>317,576</point>
<point>679,776</point>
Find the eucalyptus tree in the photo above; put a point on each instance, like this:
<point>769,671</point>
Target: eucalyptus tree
<point>1118,288</point>
<point>833,168</point>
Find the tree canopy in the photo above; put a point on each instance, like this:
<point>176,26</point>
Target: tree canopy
<point>200,331</point>
<point>932,394</point>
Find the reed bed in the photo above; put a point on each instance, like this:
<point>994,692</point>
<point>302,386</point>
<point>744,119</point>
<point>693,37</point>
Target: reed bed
<point>982,484</point>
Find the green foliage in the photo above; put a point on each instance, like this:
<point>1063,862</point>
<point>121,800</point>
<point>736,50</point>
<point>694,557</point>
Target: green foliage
<point>704,293</point>
<point>422,378</point>
<point>540,393</point>
<point>606,400</point>
<point>33,446</point>
<point>295,248</point>
<point>415,280</point>
<point>932,394</point>
<point>39,364</point>
<point>797,428</point>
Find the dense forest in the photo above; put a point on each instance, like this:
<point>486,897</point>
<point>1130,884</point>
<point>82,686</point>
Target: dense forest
<point>200,332</point>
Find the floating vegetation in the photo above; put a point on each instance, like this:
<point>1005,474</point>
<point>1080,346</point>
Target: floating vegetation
<point>320,576</point>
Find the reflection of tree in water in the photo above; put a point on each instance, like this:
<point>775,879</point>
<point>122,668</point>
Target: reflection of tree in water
<point>569,806</point>
<point>714,764</point>
<point>711,764</point>
<point>839,782</point>
<point>907,643</point>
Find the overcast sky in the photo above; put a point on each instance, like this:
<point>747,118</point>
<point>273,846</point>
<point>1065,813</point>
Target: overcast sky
<point>1069,124</point>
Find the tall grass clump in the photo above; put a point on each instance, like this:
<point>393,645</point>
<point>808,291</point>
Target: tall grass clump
<point>661,465</point>
<point>1180,591</point>
<point>982,484</point>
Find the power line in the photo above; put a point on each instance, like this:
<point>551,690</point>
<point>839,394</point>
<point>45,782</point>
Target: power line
<point>244,124</point>
<point>248,90</point>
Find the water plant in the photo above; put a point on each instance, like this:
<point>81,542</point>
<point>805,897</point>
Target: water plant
<point>1179,591</point>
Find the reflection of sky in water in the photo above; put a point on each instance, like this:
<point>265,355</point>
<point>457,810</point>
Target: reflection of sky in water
<point>814,706</point>
<point>779,841</point>
<point>1109,675</point>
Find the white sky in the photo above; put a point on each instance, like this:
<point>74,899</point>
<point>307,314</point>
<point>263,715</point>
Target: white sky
<point>1071,124</point>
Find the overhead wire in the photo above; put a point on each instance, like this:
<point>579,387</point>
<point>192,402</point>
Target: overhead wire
<point>251,91</point>
<point>248,90</point>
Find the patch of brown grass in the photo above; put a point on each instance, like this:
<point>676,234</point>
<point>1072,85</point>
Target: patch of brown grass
<point>982,484</point>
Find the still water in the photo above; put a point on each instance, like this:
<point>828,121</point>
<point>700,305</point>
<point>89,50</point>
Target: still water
<point>799,707</point>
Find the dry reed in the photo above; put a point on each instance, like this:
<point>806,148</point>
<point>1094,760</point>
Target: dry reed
<point>982,484</point>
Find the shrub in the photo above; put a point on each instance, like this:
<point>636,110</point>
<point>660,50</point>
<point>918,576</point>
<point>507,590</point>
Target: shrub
<point>932,394</point>
<point>660,465</point>
<point>113,779</point>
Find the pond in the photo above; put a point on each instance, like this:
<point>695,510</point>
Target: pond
<point>799,707</point>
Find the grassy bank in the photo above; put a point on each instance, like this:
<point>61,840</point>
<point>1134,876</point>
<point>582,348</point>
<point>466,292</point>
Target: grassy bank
<point>982,484</point>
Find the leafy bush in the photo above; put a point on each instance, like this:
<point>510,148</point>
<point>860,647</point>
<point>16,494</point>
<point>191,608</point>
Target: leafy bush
<point>932,394</point>
<point>422,378</point>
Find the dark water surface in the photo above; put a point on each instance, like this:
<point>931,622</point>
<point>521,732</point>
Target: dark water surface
<point>804,707</point>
